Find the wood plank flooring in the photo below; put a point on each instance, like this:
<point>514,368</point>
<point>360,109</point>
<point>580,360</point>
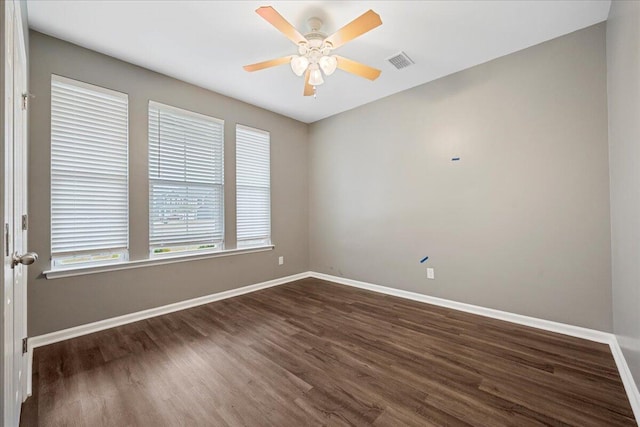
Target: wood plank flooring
<point>316,353</point>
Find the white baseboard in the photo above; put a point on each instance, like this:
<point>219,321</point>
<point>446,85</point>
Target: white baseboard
<point>89,328</point>
<point>627,379</point>
<point>548,325</point>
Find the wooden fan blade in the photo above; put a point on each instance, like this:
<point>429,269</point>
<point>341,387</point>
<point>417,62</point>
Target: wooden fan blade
<point>308,89</point>
<point>268,64</point>
<point>353,67</point>
<point>275,19</point>
<point>365,22</point>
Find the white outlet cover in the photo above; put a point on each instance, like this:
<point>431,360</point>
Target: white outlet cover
<point>430,273</point>
<point>280,260</point>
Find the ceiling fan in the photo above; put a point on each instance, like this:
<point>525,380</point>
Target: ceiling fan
<point>315,48</point>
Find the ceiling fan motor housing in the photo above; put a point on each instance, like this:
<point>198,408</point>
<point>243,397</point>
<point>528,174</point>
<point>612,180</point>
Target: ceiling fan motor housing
<point>315,38</point>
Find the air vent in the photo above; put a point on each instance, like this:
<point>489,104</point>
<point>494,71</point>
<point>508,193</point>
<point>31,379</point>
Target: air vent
<point>400,61</point>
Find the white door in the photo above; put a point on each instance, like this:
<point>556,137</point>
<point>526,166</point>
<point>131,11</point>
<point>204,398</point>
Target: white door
<point>20,220</point>
<point>9,401</point>
<point>14,207</point>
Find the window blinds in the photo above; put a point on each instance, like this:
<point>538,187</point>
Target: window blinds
<point>185,178</point>
<point>89,168</point>
<point>253,182</point>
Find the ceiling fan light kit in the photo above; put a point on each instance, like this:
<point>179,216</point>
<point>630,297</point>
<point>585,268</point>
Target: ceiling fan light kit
<point>299,64</point>
<point>314,48</point>
<point>328,64</point>
<point>315,77</point>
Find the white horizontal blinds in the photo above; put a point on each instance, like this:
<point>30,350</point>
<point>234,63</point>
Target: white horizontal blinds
<point>185,177</point>
<point>253,182</point>
<point>89,168</point>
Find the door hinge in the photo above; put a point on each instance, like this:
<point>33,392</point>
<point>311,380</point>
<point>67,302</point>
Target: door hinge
<point>24,345</point>
<point>25,222</point>
<point>25,100</point>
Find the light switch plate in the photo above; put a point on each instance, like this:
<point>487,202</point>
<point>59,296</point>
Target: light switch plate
<point>280,260</point>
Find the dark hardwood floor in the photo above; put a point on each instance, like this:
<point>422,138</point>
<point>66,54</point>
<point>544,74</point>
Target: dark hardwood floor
<point>316,353</point>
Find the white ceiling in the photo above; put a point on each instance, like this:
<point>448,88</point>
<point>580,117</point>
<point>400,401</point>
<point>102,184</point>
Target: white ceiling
<point>207,42</point>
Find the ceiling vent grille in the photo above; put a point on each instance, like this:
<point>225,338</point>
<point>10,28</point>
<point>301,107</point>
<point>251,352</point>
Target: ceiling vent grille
<point>400,60</point>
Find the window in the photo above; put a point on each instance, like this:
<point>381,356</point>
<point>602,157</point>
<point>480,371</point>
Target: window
<point>89,174</point>
<point>253,187</point>
<point>185,181</point>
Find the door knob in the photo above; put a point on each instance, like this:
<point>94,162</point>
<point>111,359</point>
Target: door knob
<point>25,259</point>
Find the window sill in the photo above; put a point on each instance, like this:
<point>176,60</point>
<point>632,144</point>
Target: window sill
<point>167,259</point>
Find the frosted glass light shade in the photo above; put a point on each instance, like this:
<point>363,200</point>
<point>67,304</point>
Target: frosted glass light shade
<point>328,64</point>
<point>299,65</point>
<point>315,78</point>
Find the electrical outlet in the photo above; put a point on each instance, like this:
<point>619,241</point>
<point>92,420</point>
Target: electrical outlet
<point>431,273</point>
<point>280,260</point>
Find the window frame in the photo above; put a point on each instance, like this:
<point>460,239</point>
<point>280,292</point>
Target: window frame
<point>254,242</point>
<point>87,257</point>
<point>184,249</point>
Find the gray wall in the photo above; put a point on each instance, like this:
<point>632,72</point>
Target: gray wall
<point>62,303</point>
<point>623,82</point>
<point>520,224</point>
